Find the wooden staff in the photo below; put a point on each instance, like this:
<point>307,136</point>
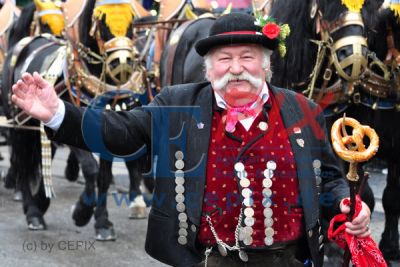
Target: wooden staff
<point>352,149</point>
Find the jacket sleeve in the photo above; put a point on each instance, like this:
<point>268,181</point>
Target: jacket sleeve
<point>97,130</point>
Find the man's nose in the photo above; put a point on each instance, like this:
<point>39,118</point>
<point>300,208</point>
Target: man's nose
<point>236,67</point>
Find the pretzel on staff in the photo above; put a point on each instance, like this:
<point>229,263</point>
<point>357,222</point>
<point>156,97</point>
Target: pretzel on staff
<point>351,147</point>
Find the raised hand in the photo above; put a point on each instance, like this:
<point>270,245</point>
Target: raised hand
<point>35,96</point>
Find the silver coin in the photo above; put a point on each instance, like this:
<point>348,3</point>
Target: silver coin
<point>267,202</point>
<point>179,173</point>
<point>267,183</point>
<point>179,198</point>
<point>179,189</point>
<point>241,233</point>
<point>248,231</point>
<point>183,225</point>
<point>246,192</point>
<point>182,217</point>
<point>243,256</point>
<point>182,232</point>
<point>249,221</point>
<point>318,180</point>
<point>248,212</point>
<point>239,167</point>
<point>268,212</point>
<point>248,240</point>
<point>268,173</point>
<point>269,232</point>
<point>242,174</point>
<point>179,180</point>
<point>268,222</point>
<point>179,154</point>
<point>180,207</point>
<point>271,165</point>
<point>267,192</point>
<point>182,240</point>
<point>248,202</point>
<point>321,239</point>
<point>263,126</point>
<point>268,241</point>
<point>222,250</point>
<point>244,182</point>
<point>316,163</point>
<point>317,171</point>
<point>179,164</point>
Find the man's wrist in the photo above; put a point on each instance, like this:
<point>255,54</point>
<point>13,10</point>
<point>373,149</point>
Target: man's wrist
<point>58,117</point>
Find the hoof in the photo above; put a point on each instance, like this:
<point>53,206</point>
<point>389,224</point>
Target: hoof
<point>138,208</point>
<point>81,214</point>
<point>17,196</point>
<point>105,234</point>
<point>138,213</point>
<point>36,224</point>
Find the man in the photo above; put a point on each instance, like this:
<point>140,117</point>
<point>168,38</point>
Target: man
<point>253,175</point>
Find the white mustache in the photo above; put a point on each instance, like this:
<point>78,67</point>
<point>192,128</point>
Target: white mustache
<point>244,76</point>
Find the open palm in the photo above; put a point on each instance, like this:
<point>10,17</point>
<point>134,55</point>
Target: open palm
<point>35,96</point>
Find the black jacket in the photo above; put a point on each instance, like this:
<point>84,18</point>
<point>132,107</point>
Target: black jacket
<point>125,132</point>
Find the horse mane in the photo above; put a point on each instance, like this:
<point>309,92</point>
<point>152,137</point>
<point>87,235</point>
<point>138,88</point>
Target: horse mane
<point>377,38</point>
<point>301,53</point>
<point>299,49</point>
<point>22,27</point>
<point>85,24</point>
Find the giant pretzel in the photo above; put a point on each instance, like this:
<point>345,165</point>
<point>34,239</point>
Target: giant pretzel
<point>351,147</point>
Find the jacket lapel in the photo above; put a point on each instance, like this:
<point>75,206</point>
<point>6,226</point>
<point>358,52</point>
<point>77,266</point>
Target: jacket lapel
<point>301,142</point>
<point>198,139</point>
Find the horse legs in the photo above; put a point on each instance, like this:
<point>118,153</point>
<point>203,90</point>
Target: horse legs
<point>104,228</point>
<point>83,209</point>
<point>10,180</point>
<point>26,146</point>
<point>137,205</point>
<point>389,244</point>
<point>72,168</point>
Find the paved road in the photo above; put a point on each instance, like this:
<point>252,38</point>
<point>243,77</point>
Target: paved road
<point>65,244</point>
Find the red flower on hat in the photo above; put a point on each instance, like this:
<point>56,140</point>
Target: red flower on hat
<point>271,30</point>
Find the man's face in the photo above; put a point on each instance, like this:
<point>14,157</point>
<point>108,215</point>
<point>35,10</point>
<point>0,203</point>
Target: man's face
<point>236,73</point>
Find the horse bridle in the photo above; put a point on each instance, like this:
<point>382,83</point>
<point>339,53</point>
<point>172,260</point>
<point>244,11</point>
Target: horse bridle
<point>328,47</point>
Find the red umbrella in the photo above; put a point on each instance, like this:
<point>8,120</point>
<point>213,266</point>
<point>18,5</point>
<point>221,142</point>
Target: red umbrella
<point>364,252</point>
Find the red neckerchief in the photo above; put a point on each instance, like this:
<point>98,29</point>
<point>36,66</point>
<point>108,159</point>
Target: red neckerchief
<point>364,252</point>
<point>232,116</point>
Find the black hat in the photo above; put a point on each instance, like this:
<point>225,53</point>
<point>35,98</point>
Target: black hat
<point>235,28</point>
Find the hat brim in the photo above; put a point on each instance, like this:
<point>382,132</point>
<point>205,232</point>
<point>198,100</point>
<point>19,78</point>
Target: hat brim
<point>204,45</point>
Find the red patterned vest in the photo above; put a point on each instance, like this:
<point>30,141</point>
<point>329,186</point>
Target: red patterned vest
<point>222,196</point>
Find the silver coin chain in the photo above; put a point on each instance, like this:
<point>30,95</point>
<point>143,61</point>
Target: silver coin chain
<point>219,241</point>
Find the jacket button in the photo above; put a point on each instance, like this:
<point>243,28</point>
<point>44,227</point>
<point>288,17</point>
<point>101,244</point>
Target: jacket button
<point>321,239</point>
<point>193,228</point>
<point>310,233</point>
<point>321,247</point>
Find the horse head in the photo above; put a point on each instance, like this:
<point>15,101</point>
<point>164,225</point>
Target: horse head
<point>103,54</point>
<point>327,47</point>
<point>380,84</point>
<point>48,18</point>
<point>342,28</point>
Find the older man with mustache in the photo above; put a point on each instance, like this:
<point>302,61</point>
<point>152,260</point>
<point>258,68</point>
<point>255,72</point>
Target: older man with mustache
<point>251,180</point>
